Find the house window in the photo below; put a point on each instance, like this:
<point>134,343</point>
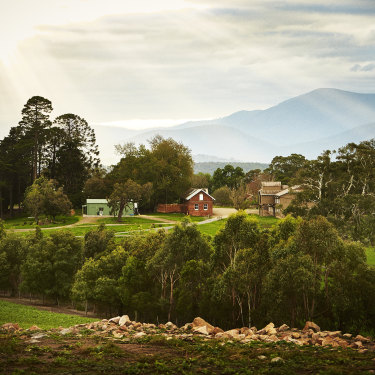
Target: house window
<point>201,197</point>
<point>205,206</point>
<point>196,207</point>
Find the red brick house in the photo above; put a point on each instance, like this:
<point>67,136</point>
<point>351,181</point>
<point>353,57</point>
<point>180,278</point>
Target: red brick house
<point>197,202</point>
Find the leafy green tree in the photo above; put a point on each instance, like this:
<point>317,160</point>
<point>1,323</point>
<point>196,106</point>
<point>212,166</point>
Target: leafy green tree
<point>183,244</point>
<point>285,168</point>
<point>97,186</point>
<point>13,250</point>
<point>223,196</point>
<point>77,154</point>
<point>167,164</point>
<point>227,176</point>
<point>201,180</point>
<point>42,197</point>
<point>192,289</point>
<point>51,265</point>
<point>15,169</point>
<point>172,169</point>
<point>98,281</point>
<point>240,232</point>
<point>239,198</point>
<point>125,193</point>
<point>289,287</point>
<point>98,241</point>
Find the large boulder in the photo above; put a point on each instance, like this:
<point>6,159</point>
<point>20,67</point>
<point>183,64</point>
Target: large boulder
<point>311,325</point>
<point>199,322</point>
<point>269,329</point>
<point>124,320</point>
<point>11,327</point>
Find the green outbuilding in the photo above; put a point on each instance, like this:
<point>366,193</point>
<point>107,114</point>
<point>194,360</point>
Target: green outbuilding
<point>99,207</point>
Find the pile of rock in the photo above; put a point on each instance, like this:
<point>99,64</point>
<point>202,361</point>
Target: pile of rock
<point>123,328</point>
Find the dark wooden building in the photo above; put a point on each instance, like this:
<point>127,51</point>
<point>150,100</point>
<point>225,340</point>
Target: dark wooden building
<point>274,197</point>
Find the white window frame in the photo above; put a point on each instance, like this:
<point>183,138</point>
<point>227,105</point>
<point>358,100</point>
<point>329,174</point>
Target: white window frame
<point>201,196</point>
<point>196,207</point>
<point>205,206</point>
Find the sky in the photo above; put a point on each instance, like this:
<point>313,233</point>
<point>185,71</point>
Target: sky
<point>147,63</point>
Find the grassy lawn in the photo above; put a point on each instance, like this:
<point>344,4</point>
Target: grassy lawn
<point>265,221</point>
<point>370,252</point>
<point>126,220</point>
<point>176,217</point>
<point>26,316</point>
<point>212,228</point>
<point>24,222</point>
<point>82,230</point>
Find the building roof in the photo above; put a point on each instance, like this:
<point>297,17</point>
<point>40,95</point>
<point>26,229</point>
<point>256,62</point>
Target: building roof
<point>192,192</point>
<point>286,191</point>
<point>271,183</point>
<point>102,201</point>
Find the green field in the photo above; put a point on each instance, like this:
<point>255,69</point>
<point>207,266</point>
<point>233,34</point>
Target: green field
<point>265,221</point>
<point>370,253</point>
<point>126,220</point>
<point>25,223</point>
<point>26,316</point>
<point>212,228</point>
<point>177,217</point>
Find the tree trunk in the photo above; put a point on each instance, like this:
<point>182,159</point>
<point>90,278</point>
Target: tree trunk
<point>11,203</point>
<point>170,300</point>
<point>120,211</point>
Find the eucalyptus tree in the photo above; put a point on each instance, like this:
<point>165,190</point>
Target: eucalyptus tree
<point>183,244</point>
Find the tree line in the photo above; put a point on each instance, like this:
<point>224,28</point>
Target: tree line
<point>300,269</point>
<point>63,150</point>
<point>64,154</point>
<point>339,185</point>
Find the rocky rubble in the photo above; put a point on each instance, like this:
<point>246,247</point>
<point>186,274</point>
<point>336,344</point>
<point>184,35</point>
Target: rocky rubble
<point>123,328</point>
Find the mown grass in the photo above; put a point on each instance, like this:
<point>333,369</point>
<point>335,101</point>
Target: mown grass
<point>213,227</point>
<point>26,316</point>
<point>118,229</point>
<point>126,220</point>
<point>81,230</point>
<point>370,253</point>
<point>177,217</point>
<point>265,221</point>
<point>25,222</point>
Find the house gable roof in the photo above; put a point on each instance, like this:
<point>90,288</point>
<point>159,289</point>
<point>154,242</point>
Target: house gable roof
<point>293,189</point>
<point>192,192</point>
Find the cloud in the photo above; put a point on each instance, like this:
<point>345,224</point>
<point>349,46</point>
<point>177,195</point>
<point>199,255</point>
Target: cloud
<point>196,62</point>
<point>363,68</point>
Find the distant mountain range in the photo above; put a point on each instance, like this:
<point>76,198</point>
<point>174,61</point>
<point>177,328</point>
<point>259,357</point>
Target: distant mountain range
<point>307,124</point>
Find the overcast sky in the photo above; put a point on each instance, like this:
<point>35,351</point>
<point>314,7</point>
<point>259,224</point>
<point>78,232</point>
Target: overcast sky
<point>149,62</point>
